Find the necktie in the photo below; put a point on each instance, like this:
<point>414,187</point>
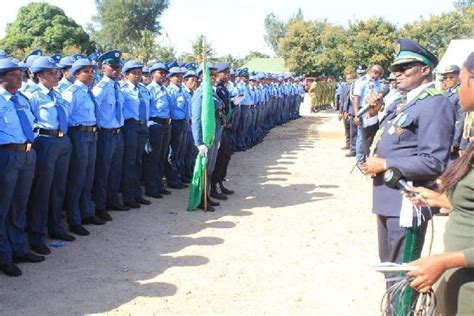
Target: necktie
<point>91,95</point>
<point>24,121</point>
<point>118,109</point>
<point>61,113</point>
<point>142,108</point>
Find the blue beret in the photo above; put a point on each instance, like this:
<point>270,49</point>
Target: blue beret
<point>158,66</point>
<point>3,54</point>
<point>67,61</point>
<point>244,72</point>
<point>131,64</point>
<point>210,66</point>
<point>409,51</point>
<point>30,59</point>
<point>361,69</point>
<point>36,52</point>
<point>112,57</point>
<point>94,55</point>
<point>145,70</point>
<point>81,63</point>
<point>221,67</point>
<point>9,64</point>
<point>190,73</point>
<point>172,64</point>
<point>253,78</point>
<point>450,69</point>
<point>42,63</point>
<point>175,71</point>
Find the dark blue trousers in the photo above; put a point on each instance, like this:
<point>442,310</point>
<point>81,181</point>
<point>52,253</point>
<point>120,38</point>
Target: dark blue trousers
<point>49,187</point>
<point>190,156</point>
<point>17,170</point>
<point>81,176</point>
<point>135,139</point>
<point>108,169</point>
<point>236,113</point>
<point>178,128</point>
<point>153,164</point>
<point>182,152</point>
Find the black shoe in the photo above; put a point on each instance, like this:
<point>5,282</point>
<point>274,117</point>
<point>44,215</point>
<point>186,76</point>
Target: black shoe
<point>41,249</point>
<point>345,147</point>
<point>165,192</point>
<point>209,207</point>
<point>29,257</point>
<point>103,214</point>
<point>94,220</point>
<point>79,230</point>
<point>154,195</point>
<point>143,201</point>
<point>219,196</point>
<point>10,269</point>
<point>132,204</point>
<point>118,207</point>
<point>351,154</point>
<point>212,202</point>
<point>63,236</point>
<point>186,180</point>
<point>223,189</point>
<point>175,185</point>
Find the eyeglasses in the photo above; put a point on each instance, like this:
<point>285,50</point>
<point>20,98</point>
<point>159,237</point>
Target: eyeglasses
<point>404,67</point>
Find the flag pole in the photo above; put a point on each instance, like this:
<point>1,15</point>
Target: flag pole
<point>205,168</point>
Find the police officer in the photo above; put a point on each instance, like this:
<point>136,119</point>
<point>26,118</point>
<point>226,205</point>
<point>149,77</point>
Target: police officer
<point>179,126</point>
<point>146,77</point>
<point>160,130</point>
<point>245,110</point>
<point>190,152</point>
<point>414,136</point>
<point>53,150</point>
<point>218,190</point>
<point>451,79</point>
<point>211,152</point>
<point>30,85</point>
<point>82,131</point>
<point>65,65</point>
<point>17,167</point>
<point>136,134</point>
<point>110,144</point>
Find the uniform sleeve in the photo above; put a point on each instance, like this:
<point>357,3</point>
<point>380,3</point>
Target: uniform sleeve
<point>469,257</point>
<point>434,135</point>
<point>68,101</point>
<point>358,88</point>
<point>459,124</point>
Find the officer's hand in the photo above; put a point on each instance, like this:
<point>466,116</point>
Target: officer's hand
<point>373,165</point>
<point>339,117</point>
<point>461,153</point>
<point>345,115</point>
<point>203,150</point>
<point>357,120</point>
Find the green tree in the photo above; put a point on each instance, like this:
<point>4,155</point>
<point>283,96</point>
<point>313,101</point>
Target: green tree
<point>369,42</point>
<point>119,23</point>
<point>436,32</point>
<point>146,48</point>
<point>44,26</point>
<point>253,55</point>
<point>274,31</point>
<point>234,62</point>
<point>199,45</point>
<point>165,54</point>
<point>462,5</point>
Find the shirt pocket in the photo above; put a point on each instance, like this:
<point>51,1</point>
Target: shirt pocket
<point>406,130</point>
<point>8,117</point>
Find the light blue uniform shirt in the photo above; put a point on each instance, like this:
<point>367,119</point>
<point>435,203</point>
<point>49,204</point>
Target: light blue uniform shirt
<point>179,102</point>
<point>189,96</point>
<point>10,126</point>
<point>131,106</point>
<point>81,108</point>
<point>104,93</point>
<point>244,89</point>
<point>27,88</point>
<point>44,107</point>
<point>160,101</point>
<point>63,85</point>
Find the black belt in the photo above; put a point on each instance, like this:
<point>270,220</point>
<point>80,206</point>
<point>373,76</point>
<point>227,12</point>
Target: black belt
<point>17,147</point>
<point>180,120</point>
<point>51,132</point>
<point>160,120</point>
<point>114,131</point>
<point>83,128</point>
<point>135,122</point>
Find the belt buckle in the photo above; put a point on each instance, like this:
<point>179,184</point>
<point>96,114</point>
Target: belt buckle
<point>94,128</point>
<point>60,134</point>
<point>28,146</point>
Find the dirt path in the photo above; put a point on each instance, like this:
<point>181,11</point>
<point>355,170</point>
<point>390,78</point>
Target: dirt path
<point>297,238</point>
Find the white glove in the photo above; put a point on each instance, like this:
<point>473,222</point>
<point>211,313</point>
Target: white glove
<point>203,150</point>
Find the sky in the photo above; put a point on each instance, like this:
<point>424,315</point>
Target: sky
<point>236,26</point>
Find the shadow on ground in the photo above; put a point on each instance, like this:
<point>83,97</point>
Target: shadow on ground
<point>118,262</point>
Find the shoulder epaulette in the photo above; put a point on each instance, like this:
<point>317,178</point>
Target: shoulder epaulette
<point>429,92</point>
<point>101,84</point>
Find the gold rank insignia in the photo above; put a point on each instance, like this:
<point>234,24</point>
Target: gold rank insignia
<point>399,131</point>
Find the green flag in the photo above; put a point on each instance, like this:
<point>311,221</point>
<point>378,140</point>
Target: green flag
<point>208,126</point>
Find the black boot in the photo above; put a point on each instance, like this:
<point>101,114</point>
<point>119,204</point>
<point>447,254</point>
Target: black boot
<point>223,189</point>
<point>217,193</point>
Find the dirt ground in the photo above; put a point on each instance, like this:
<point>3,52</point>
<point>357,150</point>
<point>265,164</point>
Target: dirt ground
<point>297,238</point>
